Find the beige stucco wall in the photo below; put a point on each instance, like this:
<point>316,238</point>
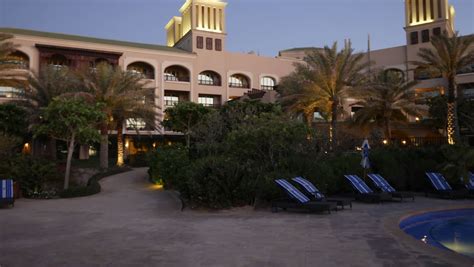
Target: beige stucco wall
<point>222,62</point>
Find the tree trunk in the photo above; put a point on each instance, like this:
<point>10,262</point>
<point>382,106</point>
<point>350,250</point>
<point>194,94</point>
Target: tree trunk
<point>51,148</point>
<point>104,147</point>
<point>454,135</point>
<point>120,144</point>
<point>388,129</point>
<point>188,140</point>
<point>333,132</point>
<point>70,151</point>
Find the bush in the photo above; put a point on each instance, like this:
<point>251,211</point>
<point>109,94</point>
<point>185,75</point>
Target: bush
<point>91,189</point>
<point>93,185</point>
<point>168,165</point>
<point>238,152</point>
<point>37,177</point>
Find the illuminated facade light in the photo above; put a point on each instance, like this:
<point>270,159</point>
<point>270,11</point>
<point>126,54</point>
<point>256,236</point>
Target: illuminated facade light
<point>385,142</point>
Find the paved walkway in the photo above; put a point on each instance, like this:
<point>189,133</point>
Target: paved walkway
<point>131,224</point>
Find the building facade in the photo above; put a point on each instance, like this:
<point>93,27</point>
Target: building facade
<point>195,65</point>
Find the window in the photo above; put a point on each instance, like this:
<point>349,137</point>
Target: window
<point>424,10</point>
<point>177,73</point>
<point>267,83</point>
<point>200,42</point>
<point>394,73</point>
<point>439,9</point>
<point>142,69</point>
<point>18,59</point>
<point>171,101</point>
<point>414,38</point>
<point>209,78</point>
<point>425,36</point>
<point>58,61</point>
<point>426,74</point>
<point>437,31</point>
<point>209,43</point>
<point>239,81</point>
<point>432,14</point>
<point>467,69</point>
<point>354,111</point>
<point>9,92</point>
<point>218,45</point>
<point>135,124</point>
<point>207,101</point>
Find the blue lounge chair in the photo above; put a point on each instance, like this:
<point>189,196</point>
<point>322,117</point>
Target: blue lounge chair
<point>384,186</point>
<point>442,187</point>
<point>313,191</point>
<point>364,193</point>
<point>298,200</point>
<point>6,192</point>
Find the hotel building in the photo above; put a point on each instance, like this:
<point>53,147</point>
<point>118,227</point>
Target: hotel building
<point>195,65</point>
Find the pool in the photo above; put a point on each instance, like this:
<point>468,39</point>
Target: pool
<point>448,229</point>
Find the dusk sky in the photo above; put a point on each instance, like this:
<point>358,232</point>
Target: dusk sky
<point>264,26</point>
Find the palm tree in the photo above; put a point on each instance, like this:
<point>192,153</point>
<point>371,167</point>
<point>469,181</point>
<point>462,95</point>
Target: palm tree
<point>387,98</point>
<point>297,96</point>
<point>42,89</point>
<point>327,74</point>
<point>449,56</point>
<point>125,96</point>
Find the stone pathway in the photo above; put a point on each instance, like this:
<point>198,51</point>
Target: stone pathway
<point>132,224</point>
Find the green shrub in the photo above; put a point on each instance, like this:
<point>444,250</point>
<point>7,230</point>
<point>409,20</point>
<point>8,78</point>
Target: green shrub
<point>34,175</point>
<point>93,185</point>
<point>81,191</point>
<point>168,165</point>
<point>238,152</point>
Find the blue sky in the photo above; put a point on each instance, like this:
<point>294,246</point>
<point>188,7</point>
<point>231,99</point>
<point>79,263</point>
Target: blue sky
<point>263,26</point>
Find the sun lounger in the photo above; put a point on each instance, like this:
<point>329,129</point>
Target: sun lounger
<point>442,187</point>
<point>6,192</point>
<point>299,201</point>
<point>384,186</point>
<point>470,183</point>
<point>313,191</point>
<point>364,193</point>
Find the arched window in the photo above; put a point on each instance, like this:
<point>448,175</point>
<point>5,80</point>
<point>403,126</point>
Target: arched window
<point>267,83</point>
<point>209,78</point>
<point>142,69</point>
<point>425,74</point>
<point>18,59</point>
<point>239,81</point>
<point>177,73</point>
<point>395,73</point>
<point>58,61</point>
<point>93,64</point>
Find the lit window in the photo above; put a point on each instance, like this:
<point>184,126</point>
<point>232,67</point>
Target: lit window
<point>177,74</point>
<point>239,81</point>
<point>267,83</point>
<point>142,69</point>
<point>58,61</point>
<point>209,78</point>
<point>135,124</point>
<point>171,101</point>
<point>9,92</point>
<point>18,59</point>
<point>207,101</point>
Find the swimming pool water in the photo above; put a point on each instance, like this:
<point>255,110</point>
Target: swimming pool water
<point>450,229</point>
